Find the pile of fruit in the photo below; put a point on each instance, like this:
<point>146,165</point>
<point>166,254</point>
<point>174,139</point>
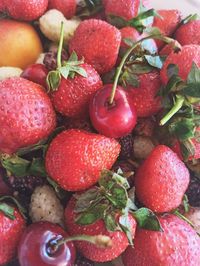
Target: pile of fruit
<point>99,134</point>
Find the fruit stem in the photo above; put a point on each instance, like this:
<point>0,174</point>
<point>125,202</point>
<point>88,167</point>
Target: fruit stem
<point>101,241</point>
<point>177,106</point>
<point>177,213</point>
<point>59,53</point>
<point>124,58</point>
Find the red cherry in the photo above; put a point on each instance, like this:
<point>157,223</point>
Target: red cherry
<point>37,246</point>
<point>36,73</point>
<point>113,120</point>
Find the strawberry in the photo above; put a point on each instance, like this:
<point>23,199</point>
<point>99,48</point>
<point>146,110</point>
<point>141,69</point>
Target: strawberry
<point>161,180</point>
<point>129,33</point>
<point>169,48</point>
<point>167,23</point>
<point>67,7</point>
<point>177,245</point>
<point>126,9</point>
<point>73,94</point>
<point>2,6</point>
<point>189,33</point>
<point>144,96</point>
<point>12,224</point>
<point>189,54</point>
<point>26,114</point>
<point>98,42</point>
<point>26,10</point>
<point>75,158</point>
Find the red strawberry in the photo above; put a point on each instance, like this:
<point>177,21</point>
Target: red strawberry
<point>189,33</point>
<point>126,9</point>
<point>10,233</point>
<point>177,245</point>
<point>26,114</point>
<point>161,180</point>
<point>75,158</point>
<point>2,6</point>
<point>129,33</point>
<point>90,251</point>
<point>98,42</point>
<point>169,48</point>
<point>67,7</point>
<point>145,97</point>
<point>73,94</point>
<point>183,59</point>
<point>4,189</point>
<point>168,23</point>
<point>26,10</point>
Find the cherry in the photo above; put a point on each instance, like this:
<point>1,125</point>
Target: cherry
<point>36,247</point>
<point>36,73</point>
<point>116,119</point>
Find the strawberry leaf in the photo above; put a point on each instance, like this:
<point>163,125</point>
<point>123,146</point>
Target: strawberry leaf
<point>110,222</point>
<point>192,90</point>
<point>183,128</point>
<point>155,61</point>
<point>37,168</point>
<point>21,209</point>
<point>194,75</point>
<point>146,219</point>
<point>190,18</point>
<point>126,227</point>
<point>7,210</point>
<point>73,57</point>
<point>64,71</point>
<point>53,80</point>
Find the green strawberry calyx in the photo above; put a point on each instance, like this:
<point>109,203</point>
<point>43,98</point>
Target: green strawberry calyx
<point>181,99</point>
<point>8,209</point>
<point>110,202</point>
<point>65,69</point>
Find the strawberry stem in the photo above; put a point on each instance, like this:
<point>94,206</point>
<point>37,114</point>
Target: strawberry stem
<point>177,106</point>
<point>59,53</point>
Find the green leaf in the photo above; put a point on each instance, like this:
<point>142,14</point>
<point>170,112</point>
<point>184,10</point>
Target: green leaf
<point>190,18</point>
<point>129,79</point>
<point>53,80</point>
<point>37,168</point>
<point>174,84</point>
<point>186,204</point>
<point>92,215</point>
<point>7,210</point>
<point>140,68</point>
<point>119,196</point>
<point>110,222</point>
<point>21,209</point>
<point>146,219</point>
<point>64,71</point>
<point>192,90</point>
<point>187,149</point>
<point>81,71</point>
<point>183,128</point>
<point>15,165</point>
<point>117,21</point>
<point>61,193</point>
<point>194,75</point>
<point>126,227</point>
<point>73,57</point>
<point>155,61</point>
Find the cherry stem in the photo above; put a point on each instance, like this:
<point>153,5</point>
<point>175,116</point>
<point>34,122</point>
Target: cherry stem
<point>177,213</point>
<point>177,106</point>
<point>59,53</point>
<point>127,54</point>
<point>101,241</point>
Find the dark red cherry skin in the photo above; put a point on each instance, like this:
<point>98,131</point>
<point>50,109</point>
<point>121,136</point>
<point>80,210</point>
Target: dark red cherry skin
<point>116,120</point>
<point>35,246</point>
<point>4,189</point>
<point>36,73</point>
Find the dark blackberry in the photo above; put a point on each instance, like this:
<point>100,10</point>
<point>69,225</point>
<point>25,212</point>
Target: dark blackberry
<point>24,184</point>
<point>82,261</point>
<point>126,147</point>
<point>50,59</point>
<point>193,192</point>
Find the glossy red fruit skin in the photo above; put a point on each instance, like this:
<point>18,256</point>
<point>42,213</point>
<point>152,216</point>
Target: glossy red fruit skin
<point>75,158</point>
<point>90,251</point>
<point>126,9</point>
<point>73,95</point>
<point>189,33</point>
<point>129,33</point>
<point>162,180</point>
<point>26,114</point>
<point>168,23</point>
<point>144,97</point>
<point>33,246</point>
<point>26,10</point>
<point>116,120</point>
<point>67,7</point>
<point>10,233</point>
<point>36,73</point>
<point>183,59</point>
<point>178,245</point>
<point>2,6</point>
<point>98,42</point>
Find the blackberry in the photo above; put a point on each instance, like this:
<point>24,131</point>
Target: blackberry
<point>193,192</point>
<point>50,59</point>
<point>82,261</point>
<point>126,147</point>
<point>24,184</point>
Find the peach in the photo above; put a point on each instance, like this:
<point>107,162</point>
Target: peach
<point>20,44</point>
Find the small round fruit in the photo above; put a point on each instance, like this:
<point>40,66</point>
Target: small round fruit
<point>112,120</point>
<point>20,45</point>
<point>36,246</point>
<point>36,73</point>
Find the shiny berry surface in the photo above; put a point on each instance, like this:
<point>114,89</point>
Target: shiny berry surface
<point>36,73</point>
<point>36,247</point>
<point>113,120</point>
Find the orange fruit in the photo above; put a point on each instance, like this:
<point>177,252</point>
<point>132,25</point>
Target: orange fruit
<point>20,44</point>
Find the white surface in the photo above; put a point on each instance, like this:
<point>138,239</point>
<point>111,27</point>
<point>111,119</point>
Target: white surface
<point>186,6</point>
